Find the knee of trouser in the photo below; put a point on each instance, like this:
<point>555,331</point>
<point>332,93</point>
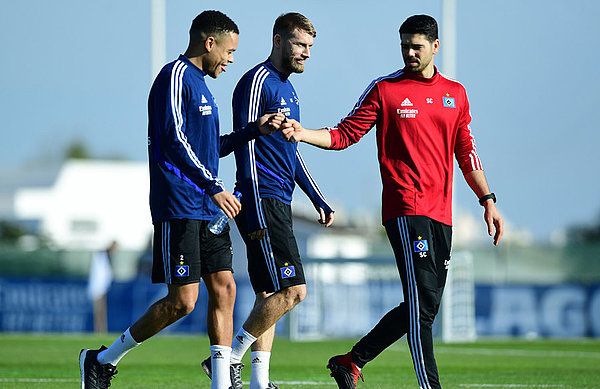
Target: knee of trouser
<point>429,302</point>
<point>426,317</point>
<point>426,323</point>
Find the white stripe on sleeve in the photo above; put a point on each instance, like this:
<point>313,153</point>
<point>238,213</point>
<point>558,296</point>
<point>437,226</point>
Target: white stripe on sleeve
<point>176,103</point>
<point>310,178</point>
<point>253,110</point>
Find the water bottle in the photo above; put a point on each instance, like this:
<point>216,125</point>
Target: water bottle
<point>217,224</point>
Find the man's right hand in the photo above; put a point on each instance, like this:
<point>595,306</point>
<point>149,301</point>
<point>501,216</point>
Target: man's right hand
<point>258,234</point>
<point>228,203</point>
<point>272,122</point>
<point>294,132</point>
<point>320,138</point>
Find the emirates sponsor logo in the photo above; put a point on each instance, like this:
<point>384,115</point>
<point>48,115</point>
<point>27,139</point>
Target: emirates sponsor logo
<point>407,113</point>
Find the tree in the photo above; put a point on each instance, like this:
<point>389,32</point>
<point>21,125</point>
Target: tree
<point>585,233</point>
<point>10,232</point>
<point>77,150</point>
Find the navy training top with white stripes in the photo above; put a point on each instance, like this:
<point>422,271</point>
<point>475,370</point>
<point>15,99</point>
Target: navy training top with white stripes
<point>269,166</point>
<point>184,144</point>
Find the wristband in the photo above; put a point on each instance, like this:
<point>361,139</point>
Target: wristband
<point>485,198</point>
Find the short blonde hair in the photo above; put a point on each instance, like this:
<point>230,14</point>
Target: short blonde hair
<point>285,24</point>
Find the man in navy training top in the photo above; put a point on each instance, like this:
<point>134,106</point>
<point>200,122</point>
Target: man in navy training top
<point>267,170</point>
<point>184,147</point>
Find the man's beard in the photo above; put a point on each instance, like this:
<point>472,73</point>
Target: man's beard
<point>292,66</point>
<point>416,69</point>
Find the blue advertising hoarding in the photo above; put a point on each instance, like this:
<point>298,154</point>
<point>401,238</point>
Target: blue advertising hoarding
<point>47,305</point>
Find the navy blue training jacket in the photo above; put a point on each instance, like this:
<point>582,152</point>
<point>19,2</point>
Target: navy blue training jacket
<point>269,166</point>
<point>184,144</point>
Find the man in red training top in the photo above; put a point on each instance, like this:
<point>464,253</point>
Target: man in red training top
<point>422,120</point>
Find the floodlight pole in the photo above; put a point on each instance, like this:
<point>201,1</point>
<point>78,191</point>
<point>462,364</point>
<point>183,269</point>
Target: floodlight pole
<point>159,33</point>
<point>448,48</point>
<point>449,37</point>
<point>457,324</point>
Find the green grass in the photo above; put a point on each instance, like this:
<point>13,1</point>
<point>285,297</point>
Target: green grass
<point>50,361</point>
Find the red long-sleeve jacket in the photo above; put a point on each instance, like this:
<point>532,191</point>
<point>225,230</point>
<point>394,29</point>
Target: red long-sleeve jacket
<point>422,123</point>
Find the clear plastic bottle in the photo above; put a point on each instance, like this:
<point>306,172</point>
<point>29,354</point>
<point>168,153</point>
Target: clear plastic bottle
<point>217,224</point>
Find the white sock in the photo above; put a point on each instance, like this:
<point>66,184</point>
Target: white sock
<point>118,349</point>
<point>219,358</point>
<point>241,343</point>
<point>260,369</point>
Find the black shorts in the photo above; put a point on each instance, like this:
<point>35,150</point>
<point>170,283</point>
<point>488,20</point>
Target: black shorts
<point>185,250</point>
<point>273,262</point>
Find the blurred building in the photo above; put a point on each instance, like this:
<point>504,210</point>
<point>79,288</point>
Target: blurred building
<point>82,205</point>
<point>90,203</point>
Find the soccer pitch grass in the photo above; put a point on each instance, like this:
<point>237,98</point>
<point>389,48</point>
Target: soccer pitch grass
<point>51,361</point>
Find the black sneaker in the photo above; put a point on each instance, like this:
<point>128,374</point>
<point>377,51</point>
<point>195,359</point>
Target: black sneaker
<point>272,385</point>
<point>344,371</point>
<point>235,369</point>
<point>207,367</point>
<point>235,372</point>
<point>93,374</point>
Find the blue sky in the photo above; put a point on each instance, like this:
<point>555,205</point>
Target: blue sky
<point>81,70</point>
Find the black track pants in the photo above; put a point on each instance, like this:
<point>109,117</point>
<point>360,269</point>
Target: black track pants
<point>422,250</point>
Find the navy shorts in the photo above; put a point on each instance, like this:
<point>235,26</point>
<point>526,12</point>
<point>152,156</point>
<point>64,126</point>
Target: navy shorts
<point>274,261</point>
<point>185,250</point>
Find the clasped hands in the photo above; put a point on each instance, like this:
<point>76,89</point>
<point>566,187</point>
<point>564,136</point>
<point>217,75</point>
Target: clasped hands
<point>293,132</point>
<point>291,129</point>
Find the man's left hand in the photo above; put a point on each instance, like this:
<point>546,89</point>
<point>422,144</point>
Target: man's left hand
<point>494,221</point>
<point>326,220</point>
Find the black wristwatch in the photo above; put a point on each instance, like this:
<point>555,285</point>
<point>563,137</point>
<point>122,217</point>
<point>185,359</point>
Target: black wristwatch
<point>485,198</point>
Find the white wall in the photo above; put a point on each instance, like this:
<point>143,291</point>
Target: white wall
<point>92,203</point>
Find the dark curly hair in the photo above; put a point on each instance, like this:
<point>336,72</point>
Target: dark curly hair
<point>211,23</point>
